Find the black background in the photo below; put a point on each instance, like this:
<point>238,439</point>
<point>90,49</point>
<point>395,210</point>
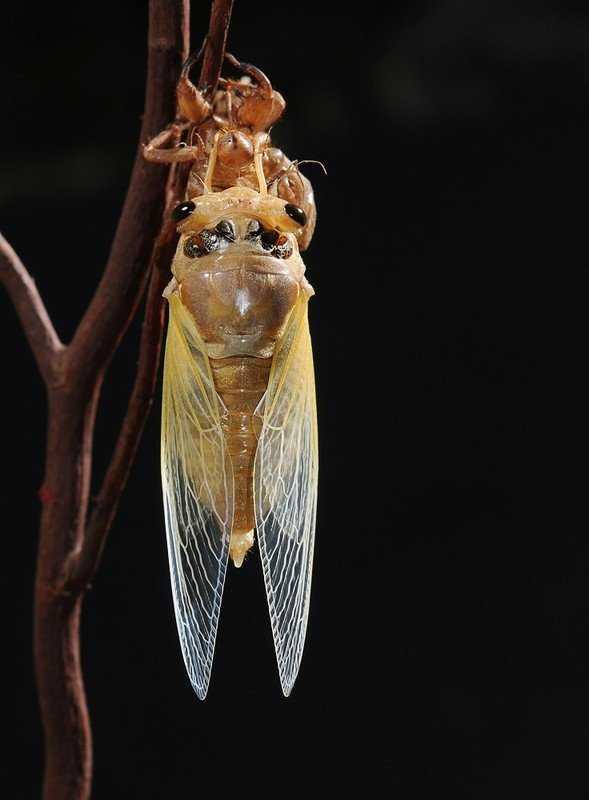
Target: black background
<point>448,641</point>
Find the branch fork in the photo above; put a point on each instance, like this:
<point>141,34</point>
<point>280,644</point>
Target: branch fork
<point>72,535</point>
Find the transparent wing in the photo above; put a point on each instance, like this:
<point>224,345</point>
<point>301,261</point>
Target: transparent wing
<point>197,485</point>
<point>285,491</point>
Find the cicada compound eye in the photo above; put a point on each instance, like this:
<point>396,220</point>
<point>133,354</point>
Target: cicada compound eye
<point>295,213</point>
<point>183,210</point>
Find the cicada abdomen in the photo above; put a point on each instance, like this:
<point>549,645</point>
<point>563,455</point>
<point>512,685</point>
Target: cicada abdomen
<point>239,431</point>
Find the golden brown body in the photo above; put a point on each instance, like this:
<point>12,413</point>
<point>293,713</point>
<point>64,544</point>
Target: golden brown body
<point>241,382</point>
<point>239,390</point>
<point>240,297</point>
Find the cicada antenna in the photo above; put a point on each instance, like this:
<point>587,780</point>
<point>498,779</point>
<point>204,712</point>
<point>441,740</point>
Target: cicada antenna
<point>311,161</point>
<point>294,165</point>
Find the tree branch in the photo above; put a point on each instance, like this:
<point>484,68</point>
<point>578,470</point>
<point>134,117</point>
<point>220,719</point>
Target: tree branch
<point>71,542</point>
<point>115,479</point>
<point>119,290</point>
<point>214,54</point>
<point>72,408</point>
<point>140,403</point>
<point>35,321</point>
<point>117,473</point>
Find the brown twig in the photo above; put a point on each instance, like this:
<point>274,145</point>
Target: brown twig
<point>118,293</point>
<point>71,541</point>
<point>140,402</point>
<point>141,399</point>
<point>215,45</point>
<point>73,400</point>
<point>38,328</point>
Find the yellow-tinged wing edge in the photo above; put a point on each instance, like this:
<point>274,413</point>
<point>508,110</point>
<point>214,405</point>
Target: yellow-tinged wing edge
<point>197,482</point>
<point>285,490</point>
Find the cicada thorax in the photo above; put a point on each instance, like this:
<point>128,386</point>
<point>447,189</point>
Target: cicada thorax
<point>239,273</point>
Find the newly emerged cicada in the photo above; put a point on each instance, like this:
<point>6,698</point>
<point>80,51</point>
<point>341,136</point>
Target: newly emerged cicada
<point>239,427</point>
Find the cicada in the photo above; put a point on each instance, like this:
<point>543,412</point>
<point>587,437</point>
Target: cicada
<point>239,423</point>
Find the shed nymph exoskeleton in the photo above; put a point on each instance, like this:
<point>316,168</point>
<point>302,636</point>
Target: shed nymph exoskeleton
<point>239,427</point>
<point>228,128</point>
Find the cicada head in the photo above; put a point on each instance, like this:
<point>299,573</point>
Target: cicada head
<point>239,218</point>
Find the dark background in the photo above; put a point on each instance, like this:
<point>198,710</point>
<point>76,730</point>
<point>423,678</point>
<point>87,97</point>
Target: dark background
<point>447,648</point>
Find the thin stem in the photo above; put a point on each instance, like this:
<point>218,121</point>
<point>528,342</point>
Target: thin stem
<point>140,403</point>
<point>215,45</point>
<point>71,542</point>
<point>141,399</point>
<point>119,291</point>
<point>72,412</point>
<point>37,325</point>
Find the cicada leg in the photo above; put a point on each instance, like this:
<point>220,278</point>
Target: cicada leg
<point>260,105</point>
<point>155,151</point>
<point>192,102</point>
<point>193,107</point>
<point>261,80</point>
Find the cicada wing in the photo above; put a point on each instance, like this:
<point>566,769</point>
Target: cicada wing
<point>285,491</point>
<point>197,482</point>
